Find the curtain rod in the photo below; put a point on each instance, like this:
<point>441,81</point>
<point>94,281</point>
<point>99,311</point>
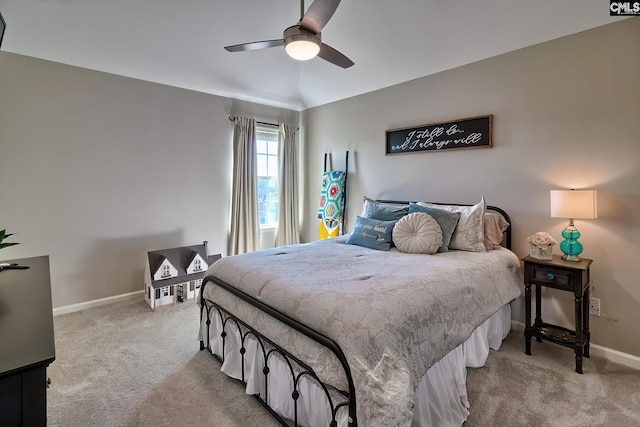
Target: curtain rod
<point>232,118</point>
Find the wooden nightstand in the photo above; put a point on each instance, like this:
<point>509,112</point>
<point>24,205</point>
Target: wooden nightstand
<point>572,276</point>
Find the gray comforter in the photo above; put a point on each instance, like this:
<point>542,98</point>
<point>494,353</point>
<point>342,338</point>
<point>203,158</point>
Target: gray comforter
<point>393,314</point>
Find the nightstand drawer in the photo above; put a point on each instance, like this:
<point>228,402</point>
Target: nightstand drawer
<point>551,277</point>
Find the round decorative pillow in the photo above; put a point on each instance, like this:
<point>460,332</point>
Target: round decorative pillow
<point>417,233</point>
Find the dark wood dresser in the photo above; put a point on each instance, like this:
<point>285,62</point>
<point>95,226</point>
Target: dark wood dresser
<point>26,342</point>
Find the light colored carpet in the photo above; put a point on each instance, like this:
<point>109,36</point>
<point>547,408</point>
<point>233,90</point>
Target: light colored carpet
<point>124,365</point>
<point>543,389</point>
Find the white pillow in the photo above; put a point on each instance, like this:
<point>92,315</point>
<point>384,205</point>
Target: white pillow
<point>417,233</point>
<point>469,233</point>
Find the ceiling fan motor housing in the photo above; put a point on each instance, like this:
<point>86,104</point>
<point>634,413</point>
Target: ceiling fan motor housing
<point>301,44</point>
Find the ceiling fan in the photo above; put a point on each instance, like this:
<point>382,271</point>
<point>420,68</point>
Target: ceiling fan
<point>303,40</point>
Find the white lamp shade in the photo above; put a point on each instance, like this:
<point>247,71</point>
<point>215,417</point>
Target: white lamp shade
<point>574,204</point>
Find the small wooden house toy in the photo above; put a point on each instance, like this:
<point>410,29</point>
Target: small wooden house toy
<point>175,275</point>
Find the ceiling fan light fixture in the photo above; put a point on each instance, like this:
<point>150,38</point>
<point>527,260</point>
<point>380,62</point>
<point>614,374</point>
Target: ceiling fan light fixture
<point>302,50</point>
<point>303,40</point>
<point>300,44</point>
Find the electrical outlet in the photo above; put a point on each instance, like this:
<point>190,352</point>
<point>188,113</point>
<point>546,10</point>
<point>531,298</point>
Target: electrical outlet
<point>594,306</point>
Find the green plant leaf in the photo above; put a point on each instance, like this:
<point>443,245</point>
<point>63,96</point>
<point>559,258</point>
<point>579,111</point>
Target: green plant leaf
<point>4,235</point>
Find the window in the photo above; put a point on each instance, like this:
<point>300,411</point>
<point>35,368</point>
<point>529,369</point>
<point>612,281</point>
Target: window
<point>197,265</point>
<point>166,271</point>
<point>267,150</point>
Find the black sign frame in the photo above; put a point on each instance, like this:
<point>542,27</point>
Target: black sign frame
<point>3,25</point>
<point>473,132</point>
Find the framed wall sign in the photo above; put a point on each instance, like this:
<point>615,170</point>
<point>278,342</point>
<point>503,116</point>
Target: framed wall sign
<point>464,133</point>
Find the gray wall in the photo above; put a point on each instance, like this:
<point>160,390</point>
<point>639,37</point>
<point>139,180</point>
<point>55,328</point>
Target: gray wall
<point>565,116</point>
<point>97,169</point>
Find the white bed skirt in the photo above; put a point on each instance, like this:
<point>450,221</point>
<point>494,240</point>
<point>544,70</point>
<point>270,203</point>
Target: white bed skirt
<point>440,399</point>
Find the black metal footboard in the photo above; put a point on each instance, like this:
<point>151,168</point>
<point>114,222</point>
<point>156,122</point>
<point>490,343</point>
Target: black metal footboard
<point>269,348</point>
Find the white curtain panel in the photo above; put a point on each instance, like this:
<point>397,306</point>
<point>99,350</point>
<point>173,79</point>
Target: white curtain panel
<point>288,216</point>
<point>244,234</point>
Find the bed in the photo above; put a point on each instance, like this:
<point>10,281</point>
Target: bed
<point>335,333</point>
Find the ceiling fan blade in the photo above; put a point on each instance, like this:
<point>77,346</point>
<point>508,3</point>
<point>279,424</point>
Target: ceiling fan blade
<point>330,54</point>
<point>318,15</point>
<point>254,45</point>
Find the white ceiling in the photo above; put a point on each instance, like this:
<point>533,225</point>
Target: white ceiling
<point>180,42</point>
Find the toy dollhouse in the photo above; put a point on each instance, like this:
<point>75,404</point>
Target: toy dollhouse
<point>175,275</point>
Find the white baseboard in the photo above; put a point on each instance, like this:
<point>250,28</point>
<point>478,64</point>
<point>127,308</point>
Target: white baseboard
<point>97,303</point>
<point>517,326</point>
<point>607,353</point>
<point>625,359</point>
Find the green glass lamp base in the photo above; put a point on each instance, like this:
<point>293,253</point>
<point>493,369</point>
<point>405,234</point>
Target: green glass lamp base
<point>570,247</point>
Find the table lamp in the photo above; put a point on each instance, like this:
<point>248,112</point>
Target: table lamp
<point>573,204</point>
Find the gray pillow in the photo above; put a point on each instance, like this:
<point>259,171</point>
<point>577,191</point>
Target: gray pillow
<point>385,212</point>
<point>448,222</point>
<point>371,233</point>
